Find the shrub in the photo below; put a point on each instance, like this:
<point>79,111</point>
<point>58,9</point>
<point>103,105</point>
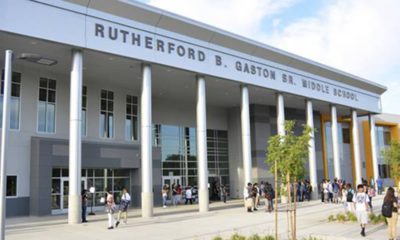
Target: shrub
<point>254,237</point>
<point>269,237</point>
<point>311,238</point>
<point>351,217</point>
<point>237,237</point>
<point>217,238</point>
<point>341,217</point>
<point>331,218</point>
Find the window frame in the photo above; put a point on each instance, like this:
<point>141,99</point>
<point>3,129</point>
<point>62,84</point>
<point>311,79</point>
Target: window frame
<point>132,116</point>
<point>84,134</point>
<point>16,185</point>
<point>20,100</point>
<point>55,108</point>
<point>107,114</point>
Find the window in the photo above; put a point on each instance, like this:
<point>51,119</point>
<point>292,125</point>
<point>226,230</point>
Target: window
<point>47,105</point>
<point>14,100</point>
<point>346,135</point>
<point>131,119</point>
<point>107,114</point>
<point>11,186</point>
<point>84,110</point>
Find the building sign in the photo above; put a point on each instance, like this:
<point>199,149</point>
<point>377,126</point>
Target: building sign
<point>225,63</point>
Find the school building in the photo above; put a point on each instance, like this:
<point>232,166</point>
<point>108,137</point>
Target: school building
<point>113,94</point>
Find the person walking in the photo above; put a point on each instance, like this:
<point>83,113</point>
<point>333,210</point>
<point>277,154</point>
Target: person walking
<point>164,194</point>
<point>84,205</point>
<point>224,193</point>
<point>123,206</point>
<point>349,198</point>
<point>326,191</point>
<point>389,210</point>
<point>248,198</point>
<point>335,190</point>
<point>371,194</point>
<point>110,209</point>
<point>360,201</point>
<point>269,195</point>
<point>174,194</point>
<point>188,195</point>
<point>256,192</point>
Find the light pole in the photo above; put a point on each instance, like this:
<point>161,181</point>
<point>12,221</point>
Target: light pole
<point>4,139</point>
<point>92,191</point>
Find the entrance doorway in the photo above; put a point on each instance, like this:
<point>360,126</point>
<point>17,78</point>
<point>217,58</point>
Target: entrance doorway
<point>60,194</point>
<point>171,180</point>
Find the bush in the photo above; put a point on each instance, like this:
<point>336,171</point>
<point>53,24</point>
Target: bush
<point>254,237</point>
<point>351,217</point>
<point>217,238</point>
<point>237,237</point>
<point>341,217</point>
<point>269,237</point>
<point>311,238</point>
<point>331,218</point>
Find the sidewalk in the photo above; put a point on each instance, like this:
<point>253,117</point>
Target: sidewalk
<point>184,222</point>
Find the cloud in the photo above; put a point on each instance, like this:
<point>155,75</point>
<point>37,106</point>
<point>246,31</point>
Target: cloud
<point>361,37</point>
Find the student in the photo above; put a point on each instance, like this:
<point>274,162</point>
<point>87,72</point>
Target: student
<point>188,195</point>
<point>335,188</point>
<point>269,195</point>
<point>123,207</point>
<point>360,201</point>
<point>391,202</point>
<point>110,208</point>
<point>379,183</point>
<point>256,192</point>
<point>248,198</point>
<point>164,193</point>
<point>349,198</point>
<point>224,193</point>
<point>84,205</point>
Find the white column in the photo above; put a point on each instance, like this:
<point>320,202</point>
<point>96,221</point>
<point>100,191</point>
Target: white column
<point>280,114</point>
<point>201,137</point>
<point>311,151</point>
<point>335,143</point>
<point>74,197</point>
<point>356,146</point>
<point>245,126</point>
<point>146,146</point>
<point>373,147</point>
<point>4,139</point>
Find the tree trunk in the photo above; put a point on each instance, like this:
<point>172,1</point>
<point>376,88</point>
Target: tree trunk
<point>289,211</point>
<point>294,211</point>
<point>276,201</point>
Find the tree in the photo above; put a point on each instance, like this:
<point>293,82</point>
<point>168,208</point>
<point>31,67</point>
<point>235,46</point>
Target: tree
<point>392,158</point>
<point>286,158</point>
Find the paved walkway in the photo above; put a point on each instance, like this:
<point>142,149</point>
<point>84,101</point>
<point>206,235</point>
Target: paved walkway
<point>184,222</point>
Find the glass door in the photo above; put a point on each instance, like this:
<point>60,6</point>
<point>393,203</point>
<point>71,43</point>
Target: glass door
<point>60,191</point>
<point>171,180</point>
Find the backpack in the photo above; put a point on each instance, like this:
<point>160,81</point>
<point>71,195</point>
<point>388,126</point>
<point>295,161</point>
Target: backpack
<point>387,209</point>
<point>349,197</point>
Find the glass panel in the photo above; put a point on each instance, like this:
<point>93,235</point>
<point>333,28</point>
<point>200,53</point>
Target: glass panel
<point>128,129</point>
<point>134,109</point>
<point>135,128</point>
<point>103,105</point>
<point>42,94</point>
<point>15,89</point>
<point>16,77</point>
<point>65,195</point>
<point>102,125</point>
<point>110,95</point>
<point>52,96</point>
<point>110,126</point>
<point>11,186</point>
<point>99,184</point>
<point>42,117</point>
<point>52,84</point>
<point>56,172</point>
<point>55,185</point>
<point>55,201</point>
<point>64,172</point>
<point>84,90</point>
<point>14,113</point>
<point>83,123</point>
<point>51,117</point>
<point>104,94</point>
<point>134,99</point>
<point>43,83</point>
<point>110,106</point>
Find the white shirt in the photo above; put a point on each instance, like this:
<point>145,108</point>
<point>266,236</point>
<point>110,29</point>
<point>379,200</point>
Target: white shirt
<point>361,199</point>
<point>325,187</point>
<point>330,187</point>
<point>188,193</point>
<point>126,197</point>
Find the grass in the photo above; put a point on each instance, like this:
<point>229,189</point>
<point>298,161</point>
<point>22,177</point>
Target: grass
<point>257,237</point>
<point>351,217</point>
<point>331,218</point>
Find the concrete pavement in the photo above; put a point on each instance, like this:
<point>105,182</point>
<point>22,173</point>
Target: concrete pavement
<point>184,222</point>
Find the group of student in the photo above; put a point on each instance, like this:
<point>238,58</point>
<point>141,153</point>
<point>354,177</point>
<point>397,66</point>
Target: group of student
<point>110,207</point>
<point>254,193</point>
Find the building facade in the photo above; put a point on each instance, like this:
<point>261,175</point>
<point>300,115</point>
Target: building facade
<point>113,94</point>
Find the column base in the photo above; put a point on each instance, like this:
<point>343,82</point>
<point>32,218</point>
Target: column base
<point>74,209</point>
<point>314,194</point>
<point>203,200</point>
<point>147,204</point>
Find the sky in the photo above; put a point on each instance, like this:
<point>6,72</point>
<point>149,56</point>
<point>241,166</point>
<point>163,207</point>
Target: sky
<point>361,37</point>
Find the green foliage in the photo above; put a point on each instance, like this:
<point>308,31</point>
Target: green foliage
<point>375,219</point>
<point>237,237</point>
<point>217,238</point>
<point>351,217</point>
<point>254,237</point>
<point>331,218</point>
<point>288,153</point>
<point>340,217</point>
<point>268,237</point>
<point>392,158</point>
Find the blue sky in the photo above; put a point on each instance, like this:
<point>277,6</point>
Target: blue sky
<point>357,36</point>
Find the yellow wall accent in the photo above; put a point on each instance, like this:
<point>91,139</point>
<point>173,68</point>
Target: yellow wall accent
<point>368,150</point>
<point>324,158</point>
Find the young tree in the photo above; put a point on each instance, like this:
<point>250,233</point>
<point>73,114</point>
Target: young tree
<point>286,158</point>
<point>392,158</point>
